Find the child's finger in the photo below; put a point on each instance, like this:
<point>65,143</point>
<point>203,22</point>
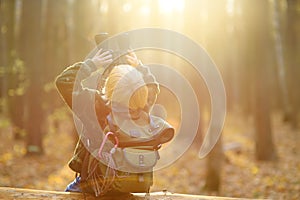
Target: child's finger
<point>109,56</point>
<point>131,53</point>
<point>130,57</point>
<point>105,53</point>
<point>98,52</point>
<point>107,61</point>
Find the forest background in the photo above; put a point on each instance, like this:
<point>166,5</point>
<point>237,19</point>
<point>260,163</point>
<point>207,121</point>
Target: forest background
<point>255,45</point>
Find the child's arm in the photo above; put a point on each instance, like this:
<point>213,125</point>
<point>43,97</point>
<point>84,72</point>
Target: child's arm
<point>66,80</point>
<point>149,79</point>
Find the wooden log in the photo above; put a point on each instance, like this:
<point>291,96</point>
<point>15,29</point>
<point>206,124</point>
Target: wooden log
<point>8,193</point>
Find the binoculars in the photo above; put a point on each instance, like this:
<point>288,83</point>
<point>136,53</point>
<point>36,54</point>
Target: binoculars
<point>118,46</point>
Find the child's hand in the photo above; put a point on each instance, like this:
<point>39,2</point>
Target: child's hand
<point>102,58</point>
<point>132,59</point>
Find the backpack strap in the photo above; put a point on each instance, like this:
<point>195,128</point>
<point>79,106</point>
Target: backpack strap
<point>93,180</point>
<point>158,132</point>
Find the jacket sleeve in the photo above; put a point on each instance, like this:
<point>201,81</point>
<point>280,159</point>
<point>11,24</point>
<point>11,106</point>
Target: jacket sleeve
<point>148,77</point>
<point>88,101</point>
<point>66,80</point>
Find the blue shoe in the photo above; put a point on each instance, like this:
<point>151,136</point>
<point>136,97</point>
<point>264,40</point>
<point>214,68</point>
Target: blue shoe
<point>74,186</point>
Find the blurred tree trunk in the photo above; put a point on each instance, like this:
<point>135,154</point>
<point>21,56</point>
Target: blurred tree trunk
<point>81,24</point>
<point>260,29</point>
<point>76,43</point>
<point>281,66</point>
<point>32,52</point>
<point>54,40</point>
<point>7,8</point>
<point>293,60</point>
<point>13,76</point>
<point>265,149</point>
<point>214,163</point>
<point>4,50</point>
<point>56,48</point>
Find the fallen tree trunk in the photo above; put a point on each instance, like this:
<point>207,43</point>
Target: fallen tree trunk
<point>19,193</point>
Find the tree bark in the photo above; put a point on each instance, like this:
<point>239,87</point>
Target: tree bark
<point>264,146</point>
<point>214,162</point>
<point>280,58</point>
<point>293,61</point>
<point>7,44</point>
<point>32,52</point>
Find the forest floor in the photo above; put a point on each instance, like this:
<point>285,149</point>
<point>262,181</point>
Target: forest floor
<point>242,176</point>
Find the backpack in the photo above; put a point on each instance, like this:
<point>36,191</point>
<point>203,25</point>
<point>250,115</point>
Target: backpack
<point>126,163</point>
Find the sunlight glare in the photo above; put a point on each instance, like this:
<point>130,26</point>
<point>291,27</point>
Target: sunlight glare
<point>230,7</point>
<point>103,7</point>
<point>167,6</point>
<point>127,7</point>
<point>145,10</point>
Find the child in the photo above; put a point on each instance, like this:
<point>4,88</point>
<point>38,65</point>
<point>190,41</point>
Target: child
<point>123,163</point>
